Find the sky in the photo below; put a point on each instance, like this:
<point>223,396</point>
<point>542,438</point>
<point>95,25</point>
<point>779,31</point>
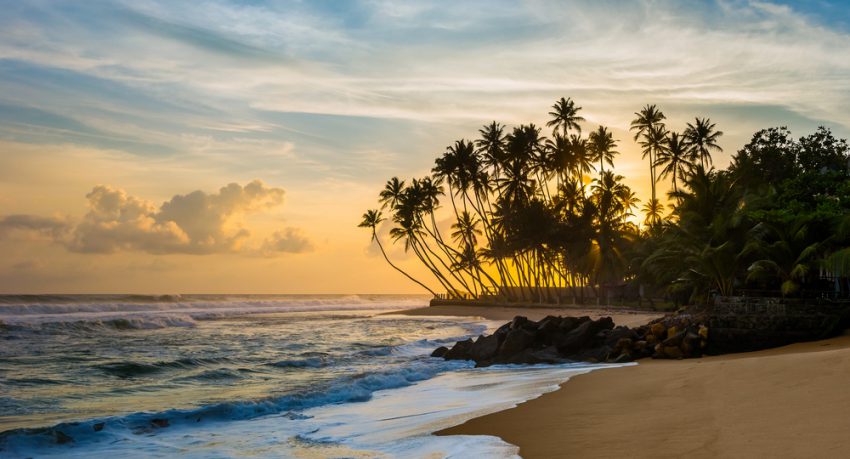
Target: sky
<point>232,146</point>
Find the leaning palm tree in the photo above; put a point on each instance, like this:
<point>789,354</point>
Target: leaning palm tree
<point>565,117</point>
<point>371,220</point>
<point>647,121</point>
<point>466,230</point>
<point>701,139</point>
<point>674,160</point>
<point>602,146</point>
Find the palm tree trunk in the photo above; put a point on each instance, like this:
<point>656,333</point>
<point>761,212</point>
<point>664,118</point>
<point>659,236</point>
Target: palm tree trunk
<point>380,246</point>
<point>460,279</point>
<point>450,289</point>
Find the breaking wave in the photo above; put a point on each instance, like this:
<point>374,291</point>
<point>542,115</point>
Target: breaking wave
<point>137,312</point>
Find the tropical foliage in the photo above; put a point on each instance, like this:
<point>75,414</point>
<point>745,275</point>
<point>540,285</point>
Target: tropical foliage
<point>520,216</point>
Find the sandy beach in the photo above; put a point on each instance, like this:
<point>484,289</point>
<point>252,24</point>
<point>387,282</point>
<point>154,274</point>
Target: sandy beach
<point>786,402</point>
<point>620,316</point>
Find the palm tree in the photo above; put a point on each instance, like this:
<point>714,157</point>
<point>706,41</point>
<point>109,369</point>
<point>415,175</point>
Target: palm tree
<point>788,252</point>
<point>653,211</point>
<point>391,193</point>
<point>602,144</point>
<point>648,119</point>
<point>561,157</point>
<point>674,159</point>
<point>564,116</point>
<point>466,230</point>
<point>371,220</point>
<point>491,146</point>
<point>582,157</point>
<point>701,139</point>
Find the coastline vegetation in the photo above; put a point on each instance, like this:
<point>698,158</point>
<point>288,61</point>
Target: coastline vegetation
<point>535,217</point>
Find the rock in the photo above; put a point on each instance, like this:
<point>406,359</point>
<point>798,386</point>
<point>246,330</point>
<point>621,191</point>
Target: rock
<point>691,345</point>
<point>658,330</point>
<point>592,354</point>
<point>672,331</point>
<point>531,356</point>
<point>99,426</point>
<point>460,351</point>
<point>703,332</point>
<point>62,438</point>
<point>485,348</point>
<point>503,329</point>
<point>582,336</point>
<point>549,322</point>
<point>576,338</point>
<point>549,329</point>
<point>516,340</point>
<point>612,337</point>
<point>570,323</point>
<point>624,345</point>
<point>159,422</point>
<point>674,340</point>
<point>518,322</point>
<point>440,351</point>
<point>672,352</point>
<point>548,355</point>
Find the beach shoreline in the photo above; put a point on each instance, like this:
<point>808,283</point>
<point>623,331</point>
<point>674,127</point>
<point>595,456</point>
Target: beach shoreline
<point>627,317</point>
<point>784,402</point>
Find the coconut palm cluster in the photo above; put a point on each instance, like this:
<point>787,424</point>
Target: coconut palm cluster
<point>520,215</point>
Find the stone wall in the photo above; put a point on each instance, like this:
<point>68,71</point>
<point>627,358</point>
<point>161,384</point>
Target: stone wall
<point>750,323</point>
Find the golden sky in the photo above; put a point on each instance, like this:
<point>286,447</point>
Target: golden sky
<point>162,147</point>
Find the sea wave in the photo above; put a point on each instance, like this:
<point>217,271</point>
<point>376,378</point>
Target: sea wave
<point>309,362</point>
<point>73,323</point>
<point>356,388</point>
<point>58,313</point>
<point>130,369</point>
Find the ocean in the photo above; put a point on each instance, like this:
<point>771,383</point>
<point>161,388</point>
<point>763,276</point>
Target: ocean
<point>219,376</point>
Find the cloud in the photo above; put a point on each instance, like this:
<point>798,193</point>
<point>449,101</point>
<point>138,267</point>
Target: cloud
<point>193,223</point>
<point>117,222</point>
<point>51,227</point>
<point>289,240</point>
<point>197,223</point>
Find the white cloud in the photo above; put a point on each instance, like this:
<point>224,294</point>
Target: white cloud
<point>118,222</point>
<point>289,240</point>
<point>193,223</point>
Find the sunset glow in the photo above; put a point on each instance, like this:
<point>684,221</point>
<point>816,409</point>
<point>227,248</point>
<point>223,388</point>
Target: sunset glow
<point>157,147</point>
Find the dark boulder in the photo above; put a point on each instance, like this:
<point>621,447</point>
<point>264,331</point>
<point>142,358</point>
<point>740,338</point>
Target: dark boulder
<point>675,340</point>
<point>460,351</point>
<point>515,341</point>
<point>485,347</point>
<point>519,322</point>
<point>440,351</point>
<point>582,336</point>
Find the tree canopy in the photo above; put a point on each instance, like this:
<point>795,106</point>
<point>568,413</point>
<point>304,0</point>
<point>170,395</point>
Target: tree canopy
<point>530,218</point>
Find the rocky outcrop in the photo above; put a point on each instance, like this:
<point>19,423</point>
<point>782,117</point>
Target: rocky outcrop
<point>731,324</point>
<point>569,339</point>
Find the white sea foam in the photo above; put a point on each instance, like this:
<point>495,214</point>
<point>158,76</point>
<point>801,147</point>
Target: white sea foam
<point>183,311</point>
<point>390,423</point>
